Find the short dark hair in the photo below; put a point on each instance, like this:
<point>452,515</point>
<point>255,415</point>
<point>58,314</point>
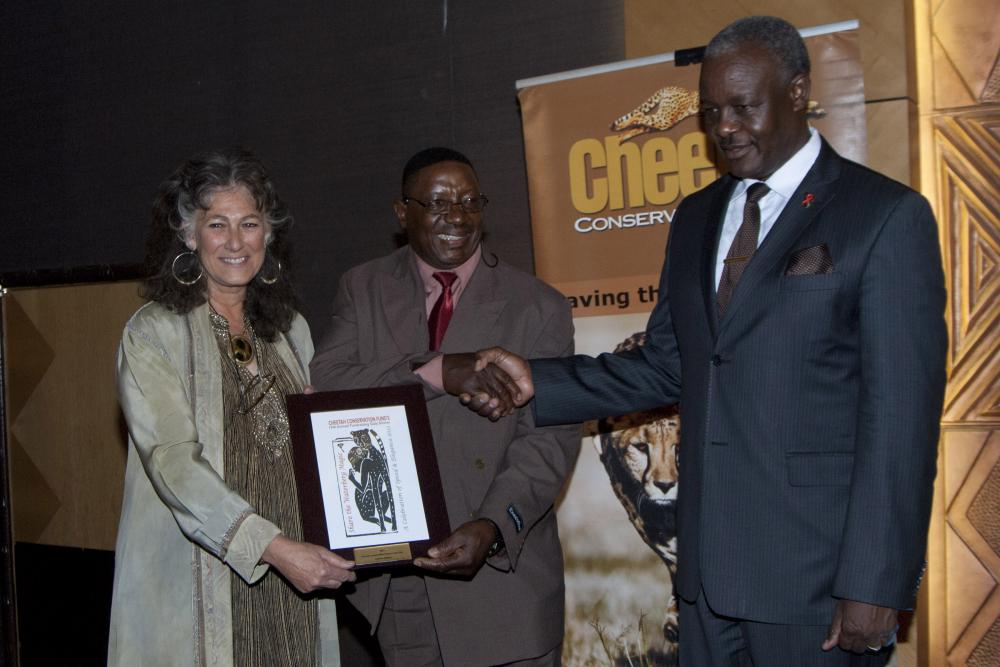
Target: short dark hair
<point>270,307</point>
<point>771,33</point>
<point>429,156</point>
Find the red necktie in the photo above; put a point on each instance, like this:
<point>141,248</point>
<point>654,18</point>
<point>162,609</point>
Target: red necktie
<point>743,247</point>
<point>437,323</point>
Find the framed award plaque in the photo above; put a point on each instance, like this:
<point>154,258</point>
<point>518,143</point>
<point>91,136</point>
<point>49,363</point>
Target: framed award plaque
<point>366,472</point>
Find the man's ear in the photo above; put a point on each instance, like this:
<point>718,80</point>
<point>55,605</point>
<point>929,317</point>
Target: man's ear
<point>399,208</point>
<point>798,90</point>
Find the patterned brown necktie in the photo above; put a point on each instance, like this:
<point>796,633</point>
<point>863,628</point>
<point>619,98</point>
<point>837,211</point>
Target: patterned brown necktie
<point>437,323</point>
<point>743,247</point>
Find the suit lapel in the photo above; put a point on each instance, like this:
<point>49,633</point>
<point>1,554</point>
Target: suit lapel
<point>714,217</point>
<point>403,304</point>
<point>794,219</point>
<point>474,322</point>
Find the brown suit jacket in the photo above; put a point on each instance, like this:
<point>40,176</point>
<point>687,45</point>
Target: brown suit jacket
<point>509,471</point>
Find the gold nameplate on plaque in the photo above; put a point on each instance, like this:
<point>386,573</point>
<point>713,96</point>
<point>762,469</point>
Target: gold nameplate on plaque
<point>384,553</point>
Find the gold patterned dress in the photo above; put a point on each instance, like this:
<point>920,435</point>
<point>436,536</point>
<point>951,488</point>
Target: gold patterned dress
<point>272,623</point>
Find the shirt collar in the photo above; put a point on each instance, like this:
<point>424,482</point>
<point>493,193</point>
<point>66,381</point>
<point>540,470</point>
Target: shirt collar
<point>464,272</point>
<point>786,180</point>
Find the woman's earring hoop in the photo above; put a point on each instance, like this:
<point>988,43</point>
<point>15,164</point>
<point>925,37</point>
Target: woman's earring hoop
<point>192,260</point>
<point>271,281</point>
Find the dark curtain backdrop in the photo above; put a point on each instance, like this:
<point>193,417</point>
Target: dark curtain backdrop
<point>100,101</point>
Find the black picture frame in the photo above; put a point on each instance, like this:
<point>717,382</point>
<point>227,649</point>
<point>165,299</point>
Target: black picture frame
<point>414,452</point>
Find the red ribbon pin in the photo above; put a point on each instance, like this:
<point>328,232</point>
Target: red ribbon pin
<point>808,199</point>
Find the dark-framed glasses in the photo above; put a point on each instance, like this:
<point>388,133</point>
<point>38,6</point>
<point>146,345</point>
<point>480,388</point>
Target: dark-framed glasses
<point>442,206</point>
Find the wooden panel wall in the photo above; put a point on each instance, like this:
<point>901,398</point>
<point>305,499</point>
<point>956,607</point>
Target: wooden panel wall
<point>65,433</point>
<point>957,45</point>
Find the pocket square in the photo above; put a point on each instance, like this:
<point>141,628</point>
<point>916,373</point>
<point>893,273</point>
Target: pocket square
<point>810,261</point>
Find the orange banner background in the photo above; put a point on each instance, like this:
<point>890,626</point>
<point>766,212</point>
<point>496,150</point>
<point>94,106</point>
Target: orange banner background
<point>601,206</point>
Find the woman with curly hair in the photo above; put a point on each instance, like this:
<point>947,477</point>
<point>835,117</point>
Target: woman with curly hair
<point>210,501</point>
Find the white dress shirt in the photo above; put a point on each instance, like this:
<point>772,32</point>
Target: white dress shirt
<point>783,184</point>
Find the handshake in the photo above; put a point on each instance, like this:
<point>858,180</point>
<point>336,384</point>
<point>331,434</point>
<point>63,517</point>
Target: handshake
<point>491,382</point>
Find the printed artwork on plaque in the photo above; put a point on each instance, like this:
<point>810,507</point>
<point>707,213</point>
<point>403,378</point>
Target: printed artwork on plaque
<point>368,477</point>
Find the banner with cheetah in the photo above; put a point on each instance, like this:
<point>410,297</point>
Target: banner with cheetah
<point>610,154</point>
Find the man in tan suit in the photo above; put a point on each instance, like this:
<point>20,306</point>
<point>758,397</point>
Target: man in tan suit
<point>491,593</point>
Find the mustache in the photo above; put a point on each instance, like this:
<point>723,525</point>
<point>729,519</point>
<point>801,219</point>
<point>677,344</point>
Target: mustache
<point>728,142</point>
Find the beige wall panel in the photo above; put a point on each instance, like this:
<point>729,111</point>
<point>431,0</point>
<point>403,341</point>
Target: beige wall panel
<point>959,452</point>
<point>889,143</point>
<point>654,26</point>
<point>967,159</point>
<point>66,434</point>
<point>957,45</point>
<point>969,586</point>
<point>950,89</point>
<point>966,38</point>
<point>969,569</point>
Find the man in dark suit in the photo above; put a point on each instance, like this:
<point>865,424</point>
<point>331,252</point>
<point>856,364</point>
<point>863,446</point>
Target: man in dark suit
<point>393,317</point>
<point>800,326</point>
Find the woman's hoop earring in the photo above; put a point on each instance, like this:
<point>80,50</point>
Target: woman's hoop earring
<point>271,281</point>
<point>191,264</point>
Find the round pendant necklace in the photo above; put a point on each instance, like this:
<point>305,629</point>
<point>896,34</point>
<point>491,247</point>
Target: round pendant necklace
<point>241,348</point>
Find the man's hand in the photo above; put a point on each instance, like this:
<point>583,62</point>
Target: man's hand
<point>486,389</point>
<point>515,367</point>
<point>306,566</point>
<point>858,627</point>
<point>463,552</point>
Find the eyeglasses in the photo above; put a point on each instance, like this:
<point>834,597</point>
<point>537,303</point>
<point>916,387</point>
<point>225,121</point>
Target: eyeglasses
<point>443,206</point>
<point>254,392</point>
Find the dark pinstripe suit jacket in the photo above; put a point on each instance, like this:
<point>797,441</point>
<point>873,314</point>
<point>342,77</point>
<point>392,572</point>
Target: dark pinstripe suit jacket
<point>513,608</point>
<point>810,410</point>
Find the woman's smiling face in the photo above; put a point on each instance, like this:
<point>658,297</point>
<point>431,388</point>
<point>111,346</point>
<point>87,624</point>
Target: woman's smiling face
<point>230,237</point>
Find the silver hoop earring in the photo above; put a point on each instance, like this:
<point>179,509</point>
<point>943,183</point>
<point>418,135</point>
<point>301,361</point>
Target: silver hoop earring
<point>192,261</point>
<point>271,281</point>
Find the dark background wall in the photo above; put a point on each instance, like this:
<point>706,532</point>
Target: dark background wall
<point>101,101</point>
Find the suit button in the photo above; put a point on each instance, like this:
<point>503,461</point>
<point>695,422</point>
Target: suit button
<point>716,360</point>
<point>480,464</point>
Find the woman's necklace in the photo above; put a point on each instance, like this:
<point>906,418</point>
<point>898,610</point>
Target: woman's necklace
<point>241,347</point>
<point>242,351</point>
